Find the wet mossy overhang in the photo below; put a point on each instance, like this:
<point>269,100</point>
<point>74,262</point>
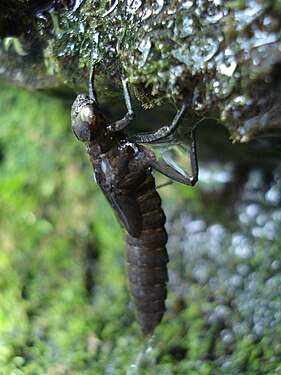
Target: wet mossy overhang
<point>222,56</point>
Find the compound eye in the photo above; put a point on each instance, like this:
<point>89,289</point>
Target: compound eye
<point>87,114</point>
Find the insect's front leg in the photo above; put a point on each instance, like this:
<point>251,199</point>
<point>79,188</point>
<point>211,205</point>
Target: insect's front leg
<point>130,115</point>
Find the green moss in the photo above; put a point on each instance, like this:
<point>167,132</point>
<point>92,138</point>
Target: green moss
<point>222,57</point>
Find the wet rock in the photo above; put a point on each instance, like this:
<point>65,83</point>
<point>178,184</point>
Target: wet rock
<point>224,58</point>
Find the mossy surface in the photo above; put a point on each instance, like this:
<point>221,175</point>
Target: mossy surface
<point>221,57</point>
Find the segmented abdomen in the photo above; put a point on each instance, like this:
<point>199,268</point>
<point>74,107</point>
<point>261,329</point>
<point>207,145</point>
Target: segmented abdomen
<point>147,258</point>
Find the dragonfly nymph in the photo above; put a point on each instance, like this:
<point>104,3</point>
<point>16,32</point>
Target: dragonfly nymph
<point>123,170</point>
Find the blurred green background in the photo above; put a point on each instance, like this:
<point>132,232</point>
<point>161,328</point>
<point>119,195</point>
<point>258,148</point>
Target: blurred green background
<point>64,304</point>
<point>53,224</point>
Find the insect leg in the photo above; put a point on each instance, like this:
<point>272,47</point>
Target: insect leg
<point>175,175</point>
<point>128,118</point>
<point>92,92</point>
<point>164,184</point>
<point>163,132</point>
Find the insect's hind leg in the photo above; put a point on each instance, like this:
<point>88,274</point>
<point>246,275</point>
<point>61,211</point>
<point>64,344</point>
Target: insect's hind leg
<point>163,132</point>
<point>174,174</point>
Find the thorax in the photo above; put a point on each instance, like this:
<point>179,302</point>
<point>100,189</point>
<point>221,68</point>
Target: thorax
<point>117,160</point>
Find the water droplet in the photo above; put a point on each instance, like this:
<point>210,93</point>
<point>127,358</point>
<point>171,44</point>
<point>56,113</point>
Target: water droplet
<point>222,312</point>
<point>228,70</point>
<point>196,226</point>
<point>270,230</point>
<point>261,219</point>
<point>133,5</point>
<point>252,210</point>
<point>227,338</point>
<point>243,269</point>
<point>236,281</point>
<point>273,195</point>
<point>160,6</point>
<point>144,48</point>
<point>241,246</point>
<point>187,4</point>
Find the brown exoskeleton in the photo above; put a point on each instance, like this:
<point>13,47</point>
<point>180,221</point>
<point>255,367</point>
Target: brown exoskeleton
<point>123,170</point>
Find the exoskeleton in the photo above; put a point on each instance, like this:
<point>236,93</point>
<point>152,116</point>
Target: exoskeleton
<point>123,170</point>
